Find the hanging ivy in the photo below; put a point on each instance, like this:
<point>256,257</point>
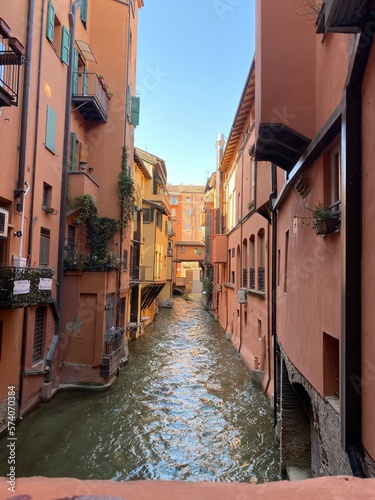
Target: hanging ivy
<point>126,192</point>
<point>98,233</point>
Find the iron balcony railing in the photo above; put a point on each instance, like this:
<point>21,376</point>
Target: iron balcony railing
<point>25,286</point>
<point>90,96</point>
<point>11,59</point>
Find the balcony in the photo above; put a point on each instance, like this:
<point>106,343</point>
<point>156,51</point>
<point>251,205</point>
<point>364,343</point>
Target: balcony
<point>90,97</point>
<point>113,349</point>
<point>219,249</point>
<point>11,58</point>
<point>25,286</point>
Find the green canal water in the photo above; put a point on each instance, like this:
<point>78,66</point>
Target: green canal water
<point>182,408</point>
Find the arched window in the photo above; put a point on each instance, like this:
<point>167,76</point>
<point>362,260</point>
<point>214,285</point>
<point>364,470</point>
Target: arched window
<point>252,261</point>
<point>261,260</point>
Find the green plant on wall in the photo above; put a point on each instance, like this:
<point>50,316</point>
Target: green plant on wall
<point>98,233</point>
<point>125,187</point>
<point>207,283</point>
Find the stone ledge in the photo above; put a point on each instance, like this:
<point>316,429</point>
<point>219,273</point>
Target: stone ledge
<point>329,488</point>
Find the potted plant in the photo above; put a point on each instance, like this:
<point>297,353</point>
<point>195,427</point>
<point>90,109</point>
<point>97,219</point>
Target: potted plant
<point>324,221</point>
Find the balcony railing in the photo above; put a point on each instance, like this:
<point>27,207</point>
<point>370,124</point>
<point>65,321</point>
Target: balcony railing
<point>11,58</point>
<point>25,286</point>
<point>90,96</point>
<point>113,351</point>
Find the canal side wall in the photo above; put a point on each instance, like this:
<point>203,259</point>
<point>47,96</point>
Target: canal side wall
<point>310,431</point>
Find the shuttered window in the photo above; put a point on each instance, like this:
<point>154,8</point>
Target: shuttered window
<point>38,335</point>
<point>135,104</point>
<point>84,12</point>
<point>51,129</point>
<point>65,45</point>
<point>50,21</point>
<point>73,149</point>
<point>45,236</point>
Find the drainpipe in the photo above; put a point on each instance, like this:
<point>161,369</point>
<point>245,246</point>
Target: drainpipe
<point>27,186</point>
<point>274,292</point>
<point>220,143</point>
<point>64,191</point>
<point>351,274</point>
<point>129,169</point>
<point>19,191</point>
<point>30,232</point>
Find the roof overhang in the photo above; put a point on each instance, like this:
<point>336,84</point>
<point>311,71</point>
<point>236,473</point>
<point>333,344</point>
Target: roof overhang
<point>338,16</point>
<point>279,144</point>
<point>236,133</point>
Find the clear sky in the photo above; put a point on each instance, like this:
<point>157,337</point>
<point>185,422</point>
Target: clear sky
<point>193,60</point>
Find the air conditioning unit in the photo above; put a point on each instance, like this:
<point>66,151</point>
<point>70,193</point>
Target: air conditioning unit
<point>241,296</point>
<point>4,218</point>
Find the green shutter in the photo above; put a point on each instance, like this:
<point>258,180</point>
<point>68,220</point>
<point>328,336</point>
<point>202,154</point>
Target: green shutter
<point>84,11</point>
<point>74,151</point>
<point>65,45</point>
<point>85,82</point>
<point>51,129</point>
<point>134,119</point>
<point>50,21</point>
<point>75,73</point>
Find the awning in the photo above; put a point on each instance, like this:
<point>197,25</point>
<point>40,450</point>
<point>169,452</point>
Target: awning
<point>86,51</point>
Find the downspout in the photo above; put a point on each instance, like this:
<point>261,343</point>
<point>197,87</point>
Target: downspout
<point>64,191</point>
<point>19,192</point>
<point>274,293</point>
<point>351,282</point>
<point>129,170</point>
<point>241,235</point>
<point>351,252</point>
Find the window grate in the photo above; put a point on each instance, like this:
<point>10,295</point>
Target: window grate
<point>252,278</point>
<point>261,279</point>
<point>244,278</point>
<point>38,335</point>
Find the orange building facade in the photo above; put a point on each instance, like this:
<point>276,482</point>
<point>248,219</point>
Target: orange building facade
<point>291,239</point>
<point>67,117</point>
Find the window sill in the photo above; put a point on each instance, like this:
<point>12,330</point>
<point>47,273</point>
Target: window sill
<point>256,293</point>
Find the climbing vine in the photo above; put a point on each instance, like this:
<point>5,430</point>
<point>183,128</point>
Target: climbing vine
<point>98,232</point>
<point>125,187</point>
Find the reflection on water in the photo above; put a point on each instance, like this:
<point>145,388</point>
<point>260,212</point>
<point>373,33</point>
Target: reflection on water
<point>183,408</point>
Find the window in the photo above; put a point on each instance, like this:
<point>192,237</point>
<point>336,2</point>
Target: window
<point>174,200</point>
<point>286,262</point>
<point>125,261</point>
<point>135,109</point>
<point>45,236</point>
<point>182,249</point>
<point>198,251</point>
<point>173,212</point>
<point>159,219</point>
<point>261,261</point>
<point>244,264</point>
<point>73,152</point>
<point>252,262</point>
<point>187,199</point>
<point>47,195</point>
<point>189,212</point>
<point>331,365</point>
<point>51,130</point>
<point>39,326</point>
<point>50,22</point>
<point>83,15</point>
<point>187,227</point>
<point>148,215</point>
<point>65,45</point>
<point>335,198</point>
<point>71,239</point>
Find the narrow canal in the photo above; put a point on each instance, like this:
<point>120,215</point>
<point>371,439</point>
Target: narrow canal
<point>183,408</point>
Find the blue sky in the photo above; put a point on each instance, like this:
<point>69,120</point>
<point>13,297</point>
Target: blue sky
<point>193,60</point>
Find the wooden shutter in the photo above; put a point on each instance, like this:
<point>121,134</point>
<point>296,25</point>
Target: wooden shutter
<point>134,119</point>
<point>85,83</point>
<point>75,73</point>
<point>84,12</point>
<point>65,45</point>
<point>50,21</point>
<point>74,151</point>
<point>51,129</point>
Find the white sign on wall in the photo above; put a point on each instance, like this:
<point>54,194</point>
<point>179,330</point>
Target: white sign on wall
<point>21,286</point>
<point>45,284</point>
